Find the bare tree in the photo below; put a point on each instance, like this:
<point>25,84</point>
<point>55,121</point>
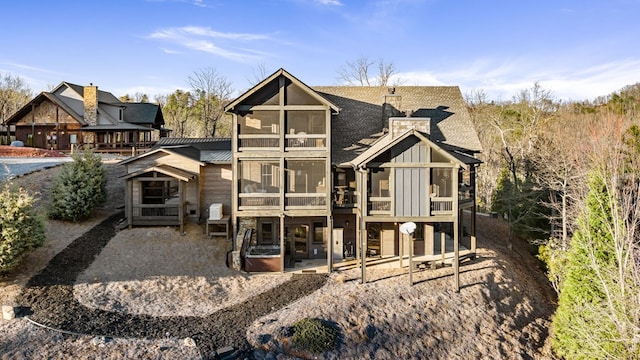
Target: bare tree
<point>14,93</point>
<point>560,167</point>
<point>361,72</point>
<point>259,74</point>
<point>212,91</point>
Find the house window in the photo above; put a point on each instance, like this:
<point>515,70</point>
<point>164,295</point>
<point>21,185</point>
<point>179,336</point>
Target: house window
<point>258,176</point>
<point>318,233</point>
<point>159,192</point>
<point>268,234</point>
<point>267,175</point>
<point>259,122</point>
<point>306,176</point>
<point>121,115</point>
<point>306,122</point>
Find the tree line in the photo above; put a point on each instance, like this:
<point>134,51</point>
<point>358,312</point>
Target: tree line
<point>565,176</point>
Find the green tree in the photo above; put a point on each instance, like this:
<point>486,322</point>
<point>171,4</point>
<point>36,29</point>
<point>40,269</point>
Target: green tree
<point>79,187</point>
<point>599,276</point>
<point>178,111</point>
<point>21,229</point>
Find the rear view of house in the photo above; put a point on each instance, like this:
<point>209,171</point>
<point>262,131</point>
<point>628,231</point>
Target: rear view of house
<point>332,172</point>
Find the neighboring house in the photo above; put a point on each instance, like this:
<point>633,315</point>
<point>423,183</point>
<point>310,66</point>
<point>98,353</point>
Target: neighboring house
<point>74,115</point>
<point>178,180</point>
<point>317,170</point>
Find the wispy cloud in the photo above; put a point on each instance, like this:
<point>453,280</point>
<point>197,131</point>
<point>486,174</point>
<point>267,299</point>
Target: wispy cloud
<point>170,51</point>
<point>198,3</point>
<point>501,80</point>
<point>229,45</point>
<point>28,67</point>
<point>329,2</point>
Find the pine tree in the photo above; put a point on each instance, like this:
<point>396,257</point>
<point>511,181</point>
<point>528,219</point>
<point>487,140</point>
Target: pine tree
<point>21,229</point>
<point>592,304</point>
<point>79,188</point>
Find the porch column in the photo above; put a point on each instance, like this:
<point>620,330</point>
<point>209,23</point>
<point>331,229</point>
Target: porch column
<point>282,249</point>
<point>473,211</point>
<point>181,206</point>
<point>330,243</point>
<point>128,198</point>
<point>363,230</point>
<point>456,228</point>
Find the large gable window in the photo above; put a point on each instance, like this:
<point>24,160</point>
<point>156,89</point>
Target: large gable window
<point>295,95</point>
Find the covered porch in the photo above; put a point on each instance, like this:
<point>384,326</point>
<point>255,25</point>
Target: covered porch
<point>159,196</point>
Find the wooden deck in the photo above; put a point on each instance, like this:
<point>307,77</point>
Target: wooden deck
<point>421,261</point>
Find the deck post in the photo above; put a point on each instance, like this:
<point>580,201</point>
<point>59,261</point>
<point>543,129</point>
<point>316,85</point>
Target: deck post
<point>473,212</point>
<point>363,230</point>
<point>330,243</point>
<point>456,227</point>
<point>181,190</point>
<point>410,259</point>
<point>443,244</point>
<point>401,241</point>
<point>282,249</point>
<point>129,199</point>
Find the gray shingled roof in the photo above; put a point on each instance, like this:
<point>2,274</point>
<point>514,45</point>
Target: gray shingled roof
<point>141,113</point>
<point>103,96</point>
<point>360,120</point>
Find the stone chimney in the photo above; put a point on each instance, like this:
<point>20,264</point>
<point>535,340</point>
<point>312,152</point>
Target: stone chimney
<point>399,125</point>
<point>91,104</point>
<point>391,105</point>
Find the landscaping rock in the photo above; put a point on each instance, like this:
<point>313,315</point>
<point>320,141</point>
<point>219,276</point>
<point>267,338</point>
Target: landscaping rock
<point>8,312</point>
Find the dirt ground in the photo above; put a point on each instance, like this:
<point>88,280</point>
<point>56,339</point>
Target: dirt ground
<point>17,151</point>
<point>138,299</point>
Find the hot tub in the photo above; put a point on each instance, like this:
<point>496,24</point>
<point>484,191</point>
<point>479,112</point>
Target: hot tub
<point>263,258</point>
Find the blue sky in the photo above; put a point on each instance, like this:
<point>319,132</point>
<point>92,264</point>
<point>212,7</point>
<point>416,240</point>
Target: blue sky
<point>577,49</point>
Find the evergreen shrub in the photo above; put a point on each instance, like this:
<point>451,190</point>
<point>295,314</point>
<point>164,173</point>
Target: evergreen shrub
<point>314,335</point>
<point>80,187</point>
<point>21,229</point>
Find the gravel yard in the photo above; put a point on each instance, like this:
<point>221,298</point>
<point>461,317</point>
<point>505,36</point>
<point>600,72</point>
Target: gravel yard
<point>149,289</point>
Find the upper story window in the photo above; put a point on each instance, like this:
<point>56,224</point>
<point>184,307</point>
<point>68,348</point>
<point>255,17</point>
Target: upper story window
<point>259,122</point>
<point>294,95</point>
<point>121,115</point>
<point>306,122</point>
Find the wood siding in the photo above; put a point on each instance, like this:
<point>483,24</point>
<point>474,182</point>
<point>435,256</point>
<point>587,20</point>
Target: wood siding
<point>410,184</point>
<point>215,185</point>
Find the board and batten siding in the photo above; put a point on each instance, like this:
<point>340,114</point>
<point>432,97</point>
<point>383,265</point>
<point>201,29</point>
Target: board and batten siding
<point>216,188</point>
<point>410,184</point>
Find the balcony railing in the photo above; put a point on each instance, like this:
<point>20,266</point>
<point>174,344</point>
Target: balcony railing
<point>296,141</point>
<point>441,205</point>
<point>344,198</point>
<point>380,206</point>
<point>155,214</point>
<point>259,200</point>
<point>306,200</point>
<point>259,141</point>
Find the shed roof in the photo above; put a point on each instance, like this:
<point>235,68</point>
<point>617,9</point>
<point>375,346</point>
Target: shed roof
<point>203,150</point>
